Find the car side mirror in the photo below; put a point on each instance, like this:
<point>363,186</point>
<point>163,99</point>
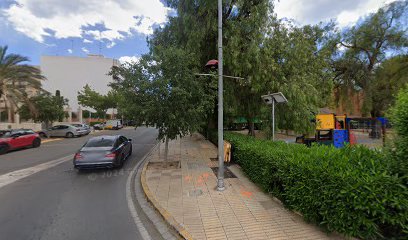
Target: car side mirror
<point>129,139</point>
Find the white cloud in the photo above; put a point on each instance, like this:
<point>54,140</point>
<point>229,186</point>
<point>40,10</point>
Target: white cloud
<point>129,59</point>
<point>87,41</point>
<point>62,19</point>
<point>85,50</point>
<point>69,51</point>
<point>111,45</point>
<point>346,12</point>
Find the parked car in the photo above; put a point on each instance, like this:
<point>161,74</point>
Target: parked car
<point>114,124</point>
<point>85,129</point>
<point>18,138</point>
<point>103,152</point>
<point>99,126</point>
<point>63,130</point>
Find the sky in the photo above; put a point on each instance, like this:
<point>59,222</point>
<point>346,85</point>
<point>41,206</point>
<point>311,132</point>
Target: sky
<point>119,28</point>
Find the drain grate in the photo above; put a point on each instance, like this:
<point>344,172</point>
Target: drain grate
<point>227,172</point>
<point>163,165</point>
<point>214,159</point>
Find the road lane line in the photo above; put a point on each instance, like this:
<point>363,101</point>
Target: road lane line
<point>51,140</point>
<point>11,177</point>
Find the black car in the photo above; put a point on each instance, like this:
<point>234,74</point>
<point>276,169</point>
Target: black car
<point>103,152</point>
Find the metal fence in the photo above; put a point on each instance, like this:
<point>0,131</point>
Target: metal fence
<point>370,132</point>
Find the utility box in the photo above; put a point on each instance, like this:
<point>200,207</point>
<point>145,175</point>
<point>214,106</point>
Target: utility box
<point>325,122</point>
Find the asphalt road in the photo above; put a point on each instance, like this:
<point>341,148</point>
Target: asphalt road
<point>62,203</point>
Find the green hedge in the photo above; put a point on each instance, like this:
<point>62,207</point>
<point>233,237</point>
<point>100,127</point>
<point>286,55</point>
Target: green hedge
<point>346,190</point>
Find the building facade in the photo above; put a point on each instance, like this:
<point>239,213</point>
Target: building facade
<point>70,74</point>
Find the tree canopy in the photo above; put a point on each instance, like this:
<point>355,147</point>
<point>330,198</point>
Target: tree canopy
<point>16,77</point>
<point>88,97</point>
<point>365,46</point>
<point>49,108</point>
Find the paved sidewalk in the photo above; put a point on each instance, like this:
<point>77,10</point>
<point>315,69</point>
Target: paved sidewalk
<point>187,197</point>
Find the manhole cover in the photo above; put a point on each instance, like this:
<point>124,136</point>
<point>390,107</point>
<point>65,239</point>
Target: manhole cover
<point>195,193</point>
<point>163,165</point>
<point>227,172</point>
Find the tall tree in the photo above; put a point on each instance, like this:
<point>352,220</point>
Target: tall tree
<point>49,108</point>
<point>366,45</point>
<point>389,77</point>
<point>15,78</point>
<point>163,91</point>
<point>88,97</point>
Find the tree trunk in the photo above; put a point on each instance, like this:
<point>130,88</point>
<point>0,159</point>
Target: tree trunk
<point>251,128</point>
<point>166,149</point>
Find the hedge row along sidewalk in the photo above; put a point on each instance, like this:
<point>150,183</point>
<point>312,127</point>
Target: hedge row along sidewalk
<point>350,190</point>
<point>187,198</point>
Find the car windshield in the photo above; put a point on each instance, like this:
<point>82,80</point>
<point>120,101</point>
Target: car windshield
<point>77,125</point>
<point>100,142</point>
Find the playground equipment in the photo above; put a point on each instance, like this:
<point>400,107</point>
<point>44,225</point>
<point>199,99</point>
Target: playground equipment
<point>339,130</point>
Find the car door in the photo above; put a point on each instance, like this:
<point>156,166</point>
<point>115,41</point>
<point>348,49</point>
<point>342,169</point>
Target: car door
<point>126,145</point>
<point>64,129</point>
<point>25,138</point>
<point>121,146</point>
<point>16,139</point>
<point>53,132</point>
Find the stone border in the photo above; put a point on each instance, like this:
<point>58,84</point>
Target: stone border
<point>181,231</point>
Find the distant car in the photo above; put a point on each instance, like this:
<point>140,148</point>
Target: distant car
<point>63,130</point>
<point>18,138</point>
<point>103,152</point>
<point>99,126</point>
<point>114,124</point>
<point>85,129</point>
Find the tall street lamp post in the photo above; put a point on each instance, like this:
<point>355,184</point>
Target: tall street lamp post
<point>220,182</point>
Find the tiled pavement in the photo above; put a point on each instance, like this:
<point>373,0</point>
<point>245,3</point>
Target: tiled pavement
<point>242,211</point>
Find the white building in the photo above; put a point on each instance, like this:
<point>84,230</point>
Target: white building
<point>70,74</point>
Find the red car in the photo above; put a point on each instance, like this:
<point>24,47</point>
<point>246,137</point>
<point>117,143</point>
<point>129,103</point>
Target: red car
<point>18,138</point>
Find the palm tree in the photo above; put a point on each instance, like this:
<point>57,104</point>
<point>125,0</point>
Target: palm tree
<point>15,78</point>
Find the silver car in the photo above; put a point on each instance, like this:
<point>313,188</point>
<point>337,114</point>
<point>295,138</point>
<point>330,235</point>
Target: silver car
<point>84,129</point>
<point>63,130</point>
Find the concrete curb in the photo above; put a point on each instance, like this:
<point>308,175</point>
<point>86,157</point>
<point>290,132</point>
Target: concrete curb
<point>182,232</point>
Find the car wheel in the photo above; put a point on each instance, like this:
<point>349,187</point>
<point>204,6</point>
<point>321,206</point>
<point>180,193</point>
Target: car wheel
<point>69,135</point>
<point>4,148</point>
<point>36,143</point>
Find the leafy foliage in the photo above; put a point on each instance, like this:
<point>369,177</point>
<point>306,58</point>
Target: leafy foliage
<point>49,108</point>
<point>88,97</point>
<point>349,190</point>
<point>399,118</point>
<point>16,78</point>
<point>366,45</point>
<point>162,91</point>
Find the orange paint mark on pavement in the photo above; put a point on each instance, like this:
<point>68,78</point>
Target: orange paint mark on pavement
<point>246,194</point>
<point>187,178</point>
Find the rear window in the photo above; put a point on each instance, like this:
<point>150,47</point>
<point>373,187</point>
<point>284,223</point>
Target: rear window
<point>100,142</point>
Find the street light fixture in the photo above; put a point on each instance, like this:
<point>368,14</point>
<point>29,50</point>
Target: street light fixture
<point>271,99</point>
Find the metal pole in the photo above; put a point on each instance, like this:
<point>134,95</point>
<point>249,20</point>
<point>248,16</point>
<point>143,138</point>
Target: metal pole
<point>273,119</point>
<point>220,183</point>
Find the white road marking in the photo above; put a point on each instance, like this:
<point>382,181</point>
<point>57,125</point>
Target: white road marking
<point>11,177</point>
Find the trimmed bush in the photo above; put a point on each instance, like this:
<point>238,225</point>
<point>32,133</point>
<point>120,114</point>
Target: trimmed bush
<point>348,190</point>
